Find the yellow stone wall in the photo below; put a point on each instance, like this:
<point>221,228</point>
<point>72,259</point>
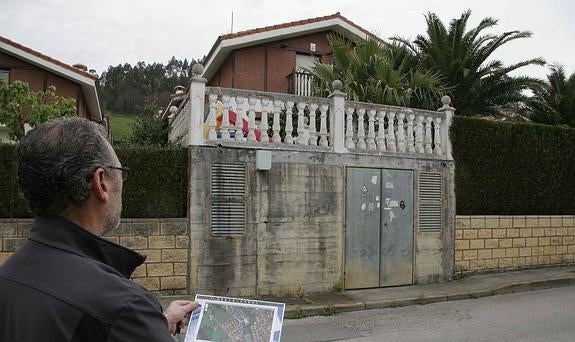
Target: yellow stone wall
<point>165,242</point>
<point>489,243</point>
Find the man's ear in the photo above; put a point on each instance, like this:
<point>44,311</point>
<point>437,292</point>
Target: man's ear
<point>100,185</point>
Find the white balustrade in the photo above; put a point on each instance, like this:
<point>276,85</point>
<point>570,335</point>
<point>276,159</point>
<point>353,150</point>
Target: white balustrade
<point>401,131</point>
<point>428,149</point>
<point>361,129</point>
<point>391,145</point>
<point>252,119</point>
<point>323,125</point>
<point>410,133</point>
<point>302,139</point>
<point>437,141</point>
<point>381,131</point>
<point>371,129</point>
<point>212,117</point>
<point>349,128</point>
<point>265,137</point>
<point>225,128</point>
<point>311,126</point>
<point>289,123</point>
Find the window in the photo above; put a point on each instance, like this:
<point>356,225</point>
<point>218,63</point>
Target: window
<point>5,75</point>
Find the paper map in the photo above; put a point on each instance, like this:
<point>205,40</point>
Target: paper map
<point>221,319</point>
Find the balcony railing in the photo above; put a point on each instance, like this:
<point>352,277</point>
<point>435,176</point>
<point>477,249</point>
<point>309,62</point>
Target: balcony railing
<point>301,83</point>
<point>283,121</point>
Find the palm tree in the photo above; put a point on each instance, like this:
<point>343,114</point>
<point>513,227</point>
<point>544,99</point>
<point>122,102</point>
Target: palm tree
<point>554,102</point>
<point>372,71</point>
<point>481,84</point>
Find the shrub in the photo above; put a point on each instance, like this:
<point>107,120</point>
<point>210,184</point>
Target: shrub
<point>156,186</point>
<point>513,169</point>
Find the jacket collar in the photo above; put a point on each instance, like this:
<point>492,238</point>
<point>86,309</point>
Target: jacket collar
<point>60,233</point>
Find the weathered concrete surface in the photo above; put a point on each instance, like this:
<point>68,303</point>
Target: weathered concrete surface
<point>295,223</point>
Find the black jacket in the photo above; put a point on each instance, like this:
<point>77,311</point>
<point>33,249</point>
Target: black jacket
<point>66,284</point>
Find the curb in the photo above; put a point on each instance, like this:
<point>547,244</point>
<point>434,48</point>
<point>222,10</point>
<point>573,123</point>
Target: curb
<point>300,311</point>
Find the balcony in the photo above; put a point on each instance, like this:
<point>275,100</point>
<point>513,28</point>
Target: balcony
<point>301,83</point>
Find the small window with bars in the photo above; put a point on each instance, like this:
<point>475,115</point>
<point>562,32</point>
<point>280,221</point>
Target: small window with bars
<point>228,208</point>
<point>430,198</point>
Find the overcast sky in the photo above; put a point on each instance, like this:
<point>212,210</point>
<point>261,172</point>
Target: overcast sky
<point>110,32</point>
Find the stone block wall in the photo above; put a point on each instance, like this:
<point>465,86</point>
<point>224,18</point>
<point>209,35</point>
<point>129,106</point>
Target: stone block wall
<point>164,241</point>
<point>492,243</point>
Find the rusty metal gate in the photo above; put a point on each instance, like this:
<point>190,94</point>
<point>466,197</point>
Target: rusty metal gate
<point>379,228</point>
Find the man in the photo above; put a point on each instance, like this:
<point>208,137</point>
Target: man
<point>66,283</point>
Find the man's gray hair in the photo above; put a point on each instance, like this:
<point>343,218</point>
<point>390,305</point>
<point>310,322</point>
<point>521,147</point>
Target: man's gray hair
<point>56,162</point>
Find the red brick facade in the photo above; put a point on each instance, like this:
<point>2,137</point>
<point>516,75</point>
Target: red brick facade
<point>266,67</point>
<point>39,80</point>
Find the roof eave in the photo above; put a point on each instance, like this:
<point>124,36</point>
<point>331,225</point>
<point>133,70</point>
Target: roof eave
<point>87,84</point>
<point>223,47</point>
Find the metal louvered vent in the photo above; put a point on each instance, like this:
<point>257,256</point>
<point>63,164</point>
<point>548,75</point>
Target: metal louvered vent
<point>228,201</point>
<point>430,202</point>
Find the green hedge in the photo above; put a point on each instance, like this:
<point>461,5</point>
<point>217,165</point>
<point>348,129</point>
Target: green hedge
<point>12,203</point>
<point>156,186</point>
<point>513,169</point>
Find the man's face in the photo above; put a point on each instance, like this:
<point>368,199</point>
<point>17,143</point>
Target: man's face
<point>115,205</point>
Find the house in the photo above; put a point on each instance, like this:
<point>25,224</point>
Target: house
<point>18,62</point>
<point>274,58</point>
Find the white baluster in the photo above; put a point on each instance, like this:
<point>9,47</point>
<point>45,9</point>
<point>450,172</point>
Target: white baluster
<point>349,128</point>
<point>400,133</point>
<point>428,149</point>
<point>419,135</point>
<point>252,119</point>
<point>437,141</point>
<point>225,129</point>
<point>278,106</point>
<point>323,125</point>
<point>410,140</point>
<point>302,139</point>
<point>371,129</point>
<point>361,129</point>
<point>265,137</point>
<point>391,145</point>
<point>311,126</point>
<point>212,135</point>
<point>381,131</point>
<point>240,101</point>
<point>289,123</point>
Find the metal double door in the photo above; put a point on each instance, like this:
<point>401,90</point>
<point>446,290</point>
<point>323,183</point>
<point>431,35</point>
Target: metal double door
<point>379,228</point>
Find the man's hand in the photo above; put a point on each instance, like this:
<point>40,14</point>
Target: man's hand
<point>177,313</point>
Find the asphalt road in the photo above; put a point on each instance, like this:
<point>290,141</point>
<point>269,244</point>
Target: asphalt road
<point>546,315</point>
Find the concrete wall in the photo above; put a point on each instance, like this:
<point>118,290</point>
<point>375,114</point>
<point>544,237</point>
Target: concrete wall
<point>295,220</point>
<point>500,243</point>
<point>165,242</point>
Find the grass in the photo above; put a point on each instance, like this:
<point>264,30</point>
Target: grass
<point>121,125</point>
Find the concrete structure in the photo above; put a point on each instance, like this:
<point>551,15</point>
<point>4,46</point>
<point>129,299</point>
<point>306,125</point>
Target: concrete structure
<point>165,242</point>
<point>20,63</point>
<point>283,230</point>
<point>502,243</point>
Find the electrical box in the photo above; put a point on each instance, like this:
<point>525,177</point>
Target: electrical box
<point>263,160</point>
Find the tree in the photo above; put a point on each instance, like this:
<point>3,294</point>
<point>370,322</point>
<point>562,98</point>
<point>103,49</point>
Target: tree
<point>20,105</point>
<point>463,58</point>
<point>554,102</point>
<point>372,71</point>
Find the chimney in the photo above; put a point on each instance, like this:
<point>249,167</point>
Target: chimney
<point>81,67</point>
